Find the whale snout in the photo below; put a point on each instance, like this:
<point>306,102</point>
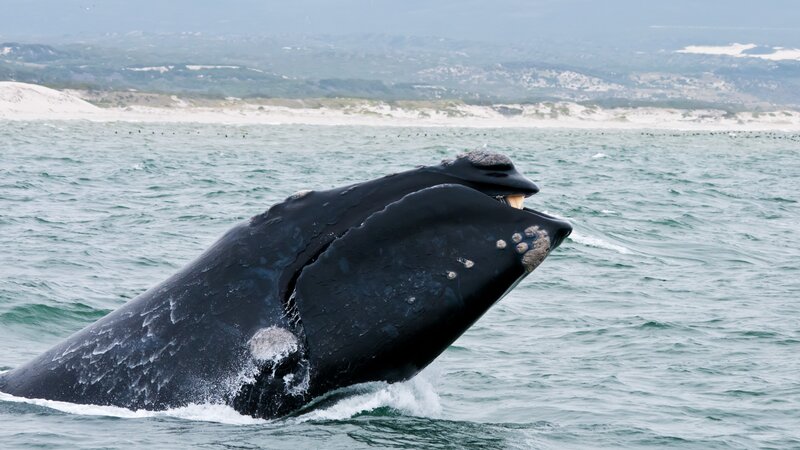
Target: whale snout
<point>559,230</point>
<point>540,238</point>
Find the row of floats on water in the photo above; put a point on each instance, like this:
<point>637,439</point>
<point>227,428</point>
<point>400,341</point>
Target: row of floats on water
<point>774,135</point>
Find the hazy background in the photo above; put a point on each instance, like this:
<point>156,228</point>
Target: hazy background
<point>611,52</point>
<point>503,21</point>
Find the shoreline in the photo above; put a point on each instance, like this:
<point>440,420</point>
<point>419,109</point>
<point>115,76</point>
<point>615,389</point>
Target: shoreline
<point>27,102</point>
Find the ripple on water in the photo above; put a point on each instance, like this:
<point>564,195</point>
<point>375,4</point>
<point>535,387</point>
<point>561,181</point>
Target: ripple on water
<point>45,315</point>
<point>668,318</point>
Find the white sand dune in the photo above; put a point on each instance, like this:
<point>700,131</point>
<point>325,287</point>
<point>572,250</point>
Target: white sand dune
<point>738,51</point>
<point>31,99</point>
<point>20,101</point>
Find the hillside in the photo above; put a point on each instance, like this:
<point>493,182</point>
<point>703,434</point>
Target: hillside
<point>393,68</point>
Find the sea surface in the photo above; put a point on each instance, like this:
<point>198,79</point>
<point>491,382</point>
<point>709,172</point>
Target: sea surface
<point>670,317</point>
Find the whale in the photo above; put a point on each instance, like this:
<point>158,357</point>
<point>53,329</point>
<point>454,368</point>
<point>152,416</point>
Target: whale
<point>325,290</point>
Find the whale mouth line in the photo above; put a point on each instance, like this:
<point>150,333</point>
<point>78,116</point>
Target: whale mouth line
<point>516,201</point>
<point>290,309</point>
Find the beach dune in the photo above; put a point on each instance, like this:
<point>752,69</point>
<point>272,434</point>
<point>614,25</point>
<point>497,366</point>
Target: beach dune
<point>22,101</point>
<point>31,100</point>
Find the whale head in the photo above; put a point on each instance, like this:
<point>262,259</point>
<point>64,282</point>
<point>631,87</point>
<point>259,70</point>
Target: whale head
<point>403,265</point>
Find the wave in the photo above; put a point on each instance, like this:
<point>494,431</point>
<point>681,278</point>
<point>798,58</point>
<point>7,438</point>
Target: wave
<point>596,242</point>
<point>206,412</point>
<point>60,314</point>
<point>415,397</point>
<point>591,241</point>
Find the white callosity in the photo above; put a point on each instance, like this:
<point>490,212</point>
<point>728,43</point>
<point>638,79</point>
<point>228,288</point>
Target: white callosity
<point>538,248</point>
<point>482,158</point>
<point>272,344</point>
<point>469,264</point>
<point>300,194</point>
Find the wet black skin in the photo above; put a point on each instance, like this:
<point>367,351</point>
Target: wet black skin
<point>375,280</point>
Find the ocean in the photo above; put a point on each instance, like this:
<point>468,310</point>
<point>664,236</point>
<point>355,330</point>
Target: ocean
<point>670,317</point>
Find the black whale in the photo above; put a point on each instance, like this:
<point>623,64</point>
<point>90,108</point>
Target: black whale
<point>327,289</point>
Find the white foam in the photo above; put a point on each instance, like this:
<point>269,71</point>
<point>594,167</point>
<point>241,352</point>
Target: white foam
<point>416,397</point>
<point>159,69</point>
<point>599,155</point>
<point>202,67</point>
<point>596,242</point>
<point>200,412</point>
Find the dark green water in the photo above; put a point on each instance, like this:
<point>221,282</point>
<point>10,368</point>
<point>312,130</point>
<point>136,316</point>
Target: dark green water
<point>670,318</point>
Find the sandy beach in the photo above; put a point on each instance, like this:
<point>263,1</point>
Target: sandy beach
<point>29,102</point>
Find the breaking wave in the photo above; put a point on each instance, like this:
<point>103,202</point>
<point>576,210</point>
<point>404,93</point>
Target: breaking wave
<point>206,412</point>
<point>596,242</point>
<point>416,397</point>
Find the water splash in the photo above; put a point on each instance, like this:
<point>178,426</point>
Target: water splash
<point>206,412</point>
<point>416,397</point>
<point>596,242</point>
